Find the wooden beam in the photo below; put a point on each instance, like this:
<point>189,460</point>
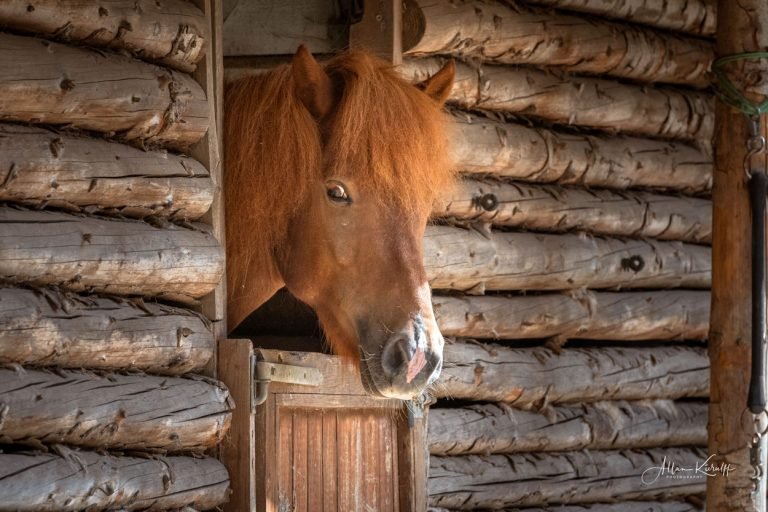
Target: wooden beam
<point>113,411</point>
<point>50,169</point>
<point>512,33</point>
<point>552,208</point>
<point>622,316</point>
<point>741,28</point>
<point>525,480</point>
<point>70,481</point>
<point>52,83</point>
<point>626,506</point>
<point>124,257</point>
<point>608,105</point>
<point>695,17</point>
<point>534,377</point>
<point>380,30</point>
<point>498,428</point>
<point>468,260</point>
<point>49,327</point>
<point>512,150</point>
<point>172,32</point>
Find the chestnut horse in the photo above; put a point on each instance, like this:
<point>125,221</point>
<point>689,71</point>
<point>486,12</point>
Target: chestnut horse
<point>331,172</point>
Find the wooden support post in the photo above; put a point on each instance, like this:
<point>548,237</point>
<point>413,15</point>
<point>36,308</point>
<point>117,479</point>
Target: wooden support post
<point>380,30</point>
<point>741,28</point>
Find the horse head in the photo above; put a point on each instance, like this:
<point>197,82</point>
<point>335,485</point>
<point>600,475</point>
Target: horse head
<point>349,157</point>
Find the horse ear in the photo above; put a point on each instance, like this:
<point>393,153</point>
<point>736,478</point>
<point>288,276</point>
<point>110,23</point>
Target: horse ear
<point>313,85</point>
<point>439,85</point>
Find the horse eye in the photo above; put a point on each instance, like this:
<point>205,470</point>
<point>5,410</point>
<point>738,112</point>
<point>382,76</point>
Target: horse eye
<point>337,193</point>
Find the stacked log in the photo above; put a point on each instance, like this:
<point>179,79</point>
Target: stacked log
<point>55,170</point>
<point>45,82</point>
<point>94,234</point>
<point>508,150</point>
<point>172,33</point>
<point>626,506</point>
<point>499,481</point>
<point>47,326</point>
<point>513,34</point>
<point>72,481</point>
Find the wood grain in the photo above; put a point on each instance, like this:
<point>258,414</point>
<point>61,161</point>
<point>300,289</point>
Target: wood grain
<point>469,260</point>
<point>172,32</point>
<point>499,481</point>
<point>50,327</point>
<point>52,83</point>
<point>511,150</point>
<point>78,480</point>
<point>498,428</point>
<point>603,104</point>
<point>44,168</point>
<point>82,253</point>
<point>512,33</point>
<point>534,377</point>
<point>551,208</point>
<point>612,316</point>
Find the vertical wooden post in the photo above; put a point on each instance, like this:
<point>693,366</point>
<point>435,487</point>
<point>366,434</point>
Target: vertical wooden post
<point>742,27</point>
<point>380,30</point>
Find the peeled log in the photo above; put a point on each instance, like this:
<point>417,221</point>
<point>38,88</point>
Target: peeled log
<point>44,168</point>
<point>114,411</point>
<point>534,377</point>
<point>51,83</point>
<point>171,32</point>
<point>591,102</point>
<point>624,316</point>
<point>554,208</point>
<point>50,327</point>
<point>482,146</point>
<point>467,260</point>
<point>696,17</point>
<point>508,33</point>
<point>498,428</point>
<point>123,257</point>
<point>73,480</point>
<point>626,506</point>
<point>524,480</point>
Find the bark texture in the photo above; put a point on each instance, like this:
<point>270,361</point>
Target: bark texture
<point>742,27</point>
<point>511,150</point>
<point>535,377</point>
<point>498,428</point>
<point>46,168</point>
<point>474,261</point>
<point>51,83</point>
<point>553,208</point>
<point>624,316</point>
<point>121,257</point>
<point>171,32</point>
<point>696,17</point>
<point>499,481</point>
<point>50,327</point>
<point>509,33</point>
<point>626,506</point>
<point>112,411</point>
<point>72,481</point>
<point>591,102</point>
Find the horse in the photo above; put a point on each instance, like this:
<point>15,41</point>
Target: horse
<point>330,174</point>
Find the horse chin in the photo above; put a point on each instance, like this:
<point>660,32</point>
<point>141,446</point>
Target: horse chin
<point>386,391</point>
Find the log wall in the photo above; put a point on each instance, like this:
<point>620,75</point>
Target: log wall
<point>108,149</point>
<point>572,262</point>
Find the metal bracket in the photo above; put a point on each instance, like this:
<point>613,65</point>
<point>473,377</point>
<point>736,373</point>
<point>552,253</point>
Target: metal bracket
<point>265,372</point>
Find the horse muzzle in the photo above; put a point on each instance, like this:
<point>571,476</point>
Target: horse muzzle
<point>408,362</point>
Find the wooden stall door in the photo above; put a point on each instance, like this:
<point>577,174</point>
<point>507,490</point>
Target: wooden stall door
<point>323,448</point>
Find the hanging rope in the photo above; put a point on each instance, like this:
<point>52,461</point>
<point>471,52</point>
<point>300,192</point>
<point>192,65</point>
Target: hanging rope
<point>727,90</point>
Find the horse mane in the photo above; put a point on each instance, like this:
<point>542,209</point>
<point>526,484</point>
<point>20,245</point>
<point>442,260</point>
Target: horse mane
<point>389,133</point>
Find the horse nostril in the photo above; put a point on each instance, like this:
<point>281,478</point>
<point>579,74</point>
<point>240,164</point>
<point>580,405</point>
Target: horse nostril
<point>396,355</point>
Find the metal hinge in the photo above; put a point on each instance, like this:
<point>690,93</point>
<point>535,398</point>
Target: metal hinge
<point>265,372</point>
